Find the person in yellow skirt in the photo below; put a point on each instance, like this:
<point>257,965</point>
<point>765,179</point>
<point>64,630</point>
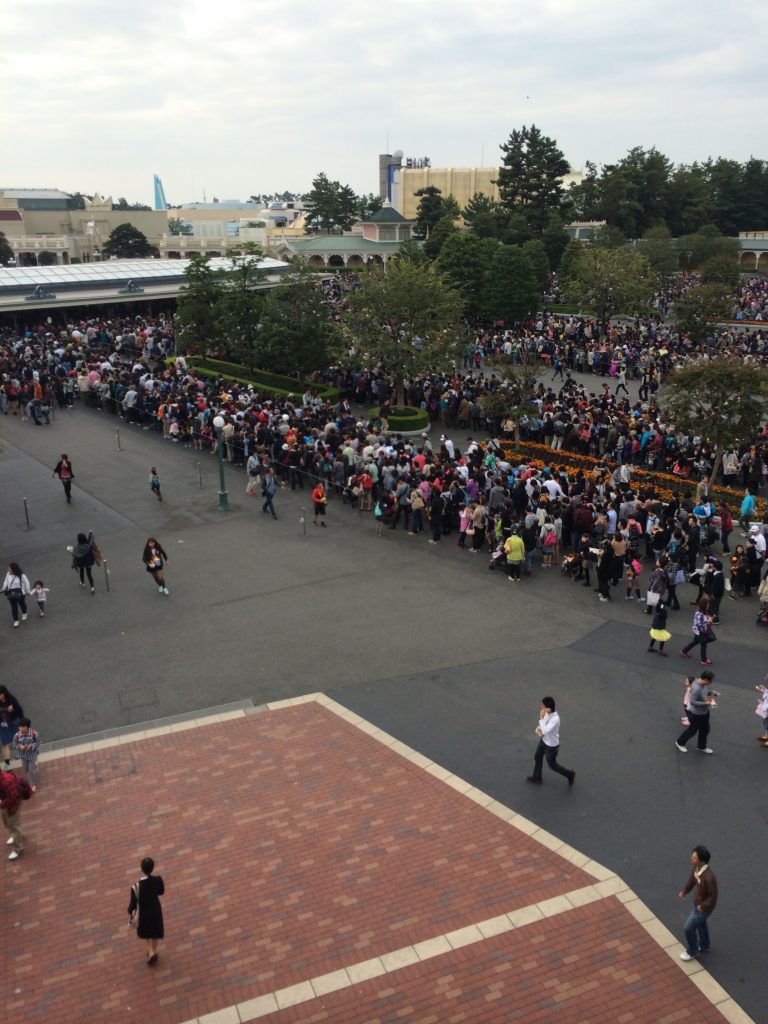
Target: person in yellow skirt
<point>659,631</point>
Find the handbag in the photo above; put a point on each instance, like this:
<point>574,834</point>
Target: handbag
<point>652,599</point>
<point>14,593</point>
<point>98,558</point>
<point>679,577</point>
<point>760,709</point>
<point>709,637</point>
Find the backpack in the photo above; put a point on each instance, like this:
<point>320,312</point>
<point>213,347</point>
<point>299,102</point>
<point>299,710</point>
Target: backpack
<point>550,539</point>
<point>24,789</point>
<point>634,535</point>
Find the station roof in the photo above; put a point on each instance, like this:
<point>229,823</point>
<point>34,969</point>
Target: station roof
<point>101,283</point>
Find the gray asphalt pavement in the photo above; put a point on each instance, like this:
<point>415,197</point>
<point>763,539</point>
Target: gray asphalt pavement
<point>422,640</point>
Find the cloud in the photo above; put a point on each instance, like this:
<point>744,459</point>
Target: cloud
<point>256,95</point>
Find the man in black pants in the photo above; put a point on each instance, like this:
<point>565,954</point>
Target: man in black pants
<point>548,731</point>
<point>699,703</point>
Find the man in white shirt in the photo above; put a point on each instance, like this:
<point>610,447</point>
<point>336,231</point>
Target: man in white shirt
<point>548,731</point>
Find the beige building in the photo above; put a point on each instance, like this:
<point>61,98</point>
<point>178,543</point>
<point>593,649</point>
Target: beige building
<point>460,182</point>
<point>42,229</point>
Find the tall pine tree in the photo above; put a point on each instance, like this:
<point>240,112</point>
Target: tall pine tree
<point>530,178</point>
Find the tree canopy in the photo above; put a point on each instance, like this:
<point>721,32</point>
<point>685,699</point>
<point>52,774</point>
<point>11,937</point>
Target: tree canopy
<point>606,281</point>
<point>296,327</point>
<point>433,207</point>
<point>405,317</point>
<point>331,206</point>
<point>530,177</point>
<point>198,305</point>
<point>128,242</point>
<point>645,188</point>
<point>725,400</point>
<point>6,252</point>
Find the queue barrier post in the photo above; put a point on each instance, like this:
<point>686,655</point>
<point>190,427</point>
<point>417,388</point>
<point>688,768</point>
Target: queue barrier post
<point>106,573</point>
<point>117,435</point>
<point>26,512</point>
<point>303,519</point>
<point>200,475</point>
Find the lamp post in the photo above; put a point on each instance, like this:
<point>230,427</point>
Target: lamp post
<point>218,426</point>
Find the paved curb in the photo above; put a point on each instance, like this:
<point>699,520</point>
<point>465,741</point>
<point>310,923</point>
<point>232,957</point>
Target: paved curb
<point>606,883</point>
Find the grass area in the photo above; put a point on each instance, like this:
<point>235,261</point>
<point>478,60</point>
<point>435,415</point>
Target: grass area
<point>272,383</point>
<point>404,419</point>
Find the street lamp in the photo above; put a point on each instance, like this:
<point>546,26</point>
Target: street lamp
<point>218,426</point>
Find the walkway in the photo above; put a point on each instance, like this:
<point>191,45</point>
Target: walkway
<point>318,870</point>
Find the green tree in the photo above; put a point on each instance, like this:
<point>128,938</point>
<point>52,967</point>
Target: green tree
<point>722,268</point>
<point>296,327</point>
<point>465,259</point>
<point>123,204</point>
<point>702,309</point>
<point>726,399</point>
<point>6,252</point>
<point>514,397</point>
<point>331,205</point>
<point>537,257</point>
<point>609,281</point>
<point>239,309</point>
<point>530,178</point>
<point>405,317</point>
<point>483,216</point>
<point>687,206</point>
<point>660,249</point>
<point>510,291</point>
<point>586,195</point>
<point>197,309</point>
<point>554,238</point>
<point>697,249</point>
<point>127,242</point>
<point>177,226</point>
<point>368,205</point>
<point>438,236</point>
<point>410,251</point>
<point>433,206</point>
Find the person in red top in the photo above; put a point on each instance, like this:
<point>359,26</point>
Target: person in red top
<point>319,501</point>
<point>11,796</point>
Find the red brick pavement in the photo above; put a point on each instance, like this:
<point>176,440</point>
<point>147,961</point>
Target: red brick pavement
<point>291,844</point>
<point>594,965</point>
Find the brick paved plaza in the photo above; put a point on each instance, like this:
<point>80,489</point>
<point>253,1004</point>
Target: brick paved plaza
<point>318,870</point>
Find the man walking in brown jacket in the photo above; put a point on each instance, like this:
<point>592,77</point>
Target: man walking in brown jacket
<point>701,879</point>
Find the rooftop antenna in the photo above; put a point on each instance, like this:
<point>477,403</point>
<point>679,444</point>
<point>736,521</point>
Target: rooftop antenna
<point>204,199</point>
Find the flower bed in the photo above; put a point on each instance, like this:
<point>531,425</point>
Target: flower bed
<point>666,485</point>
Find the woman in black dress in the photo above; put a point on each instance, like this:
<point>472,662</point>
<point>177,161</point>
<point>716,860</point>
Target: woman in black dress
<point>145,903</point>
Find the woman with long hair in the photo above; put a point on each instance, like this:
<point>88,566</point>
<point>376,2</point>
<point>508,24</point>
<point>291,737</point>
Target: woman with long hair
<point>154,559</point>
<point>83,558</point>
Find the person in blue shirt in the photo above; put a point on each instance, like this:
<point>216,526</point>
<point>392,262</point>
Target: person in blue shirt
<point>746,512</point>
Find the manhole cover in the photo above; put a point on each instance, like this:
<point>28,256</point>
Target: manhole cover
<point>118,765</point>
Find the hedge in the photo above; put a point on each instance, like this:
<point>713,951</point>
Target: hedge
<point>667,484</point>
<point>274,383</point>
<point>406,418</point>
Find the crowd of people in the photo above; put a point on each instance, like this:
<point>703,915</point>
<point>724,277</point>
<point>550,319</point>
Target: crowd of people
<point>752,302</point>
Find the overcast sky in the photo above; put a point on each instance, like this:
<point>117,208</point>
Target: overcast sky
<point>243,96</point>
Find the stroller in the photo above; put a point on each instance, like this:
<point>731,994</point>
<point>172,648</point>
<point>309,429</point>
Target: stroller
<point>571,566</point>
<point>497,555</point>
